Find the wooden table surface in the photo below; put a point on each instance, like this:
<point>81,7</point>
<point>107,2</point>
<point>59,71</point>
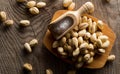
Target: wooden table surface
<point>12,39</point>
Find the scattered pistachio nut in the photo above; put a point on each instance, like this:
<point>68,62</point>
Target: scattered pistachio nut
<point>41,4</point>
<point>9,22</point>
<point>28,66</point>
<point>33,42</point>
<point>3,15</point>
<point>49,71</point>
<point>34,10</point>
<point>24,23</point>
<point>66,3</point>
<point>27,47</point>
<point>111,58</point>
<point>71,6</point>
<point>31,4</point>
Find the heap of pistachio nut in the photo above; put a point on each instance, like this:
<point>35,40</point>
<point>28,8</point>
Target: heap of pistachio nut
<point>82,43</point>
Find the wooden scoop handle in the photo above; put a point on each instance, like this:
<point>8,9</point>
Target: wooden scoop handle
<point>88,7</point>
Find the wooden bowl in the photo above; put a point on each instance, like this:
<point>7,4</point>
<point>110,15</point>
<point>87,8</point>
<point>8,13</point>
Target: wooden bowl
<point>99,61</point>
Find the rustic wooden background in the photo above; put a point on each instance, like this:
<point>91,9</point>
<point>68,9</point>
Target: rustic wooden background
<point>12,39</point>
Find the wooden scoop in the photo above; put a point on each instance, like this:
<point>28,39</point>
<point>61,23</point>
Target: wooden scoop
<point>62,24</point>
<point>98,62</point>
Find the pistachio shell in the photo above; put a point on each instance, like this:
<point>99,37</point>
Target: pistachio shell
<point>100,24</point>
<point>79,65</point>
<point>3,16</point>
<point>60,49</point>
<point>83,26</point>
<point>86,57</point>
<point>76,52</point>
<point>90,60</point>
<point>55,44</point>
<point>41,4</point>
<point>66,3</point>
<point>93,37</point>
<point>31,4</point>
<point>75,42</point>
<point>84,45</point>
<point>90,46</point>
<point>84,19</point>
<point>71,6</point>
<point>49,71</point>
<point>111,58</point>
<point>87,35</point>
<point>80,40</point>
<point>103,38</point>
<point>28,66</point>
<point>99,42</point>
<point>63,40</point>
<point>101,51</point>
<point>82,32</point>
<point>106,44</point>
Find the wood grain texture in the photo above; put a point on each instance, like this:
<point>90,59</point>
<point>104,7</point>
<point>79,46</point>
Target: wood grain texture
<point>12,55</point>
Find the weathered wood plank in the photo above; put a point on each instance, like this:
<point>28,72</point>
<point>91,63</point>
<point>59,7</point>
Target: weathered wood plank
<point>12,56</point>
